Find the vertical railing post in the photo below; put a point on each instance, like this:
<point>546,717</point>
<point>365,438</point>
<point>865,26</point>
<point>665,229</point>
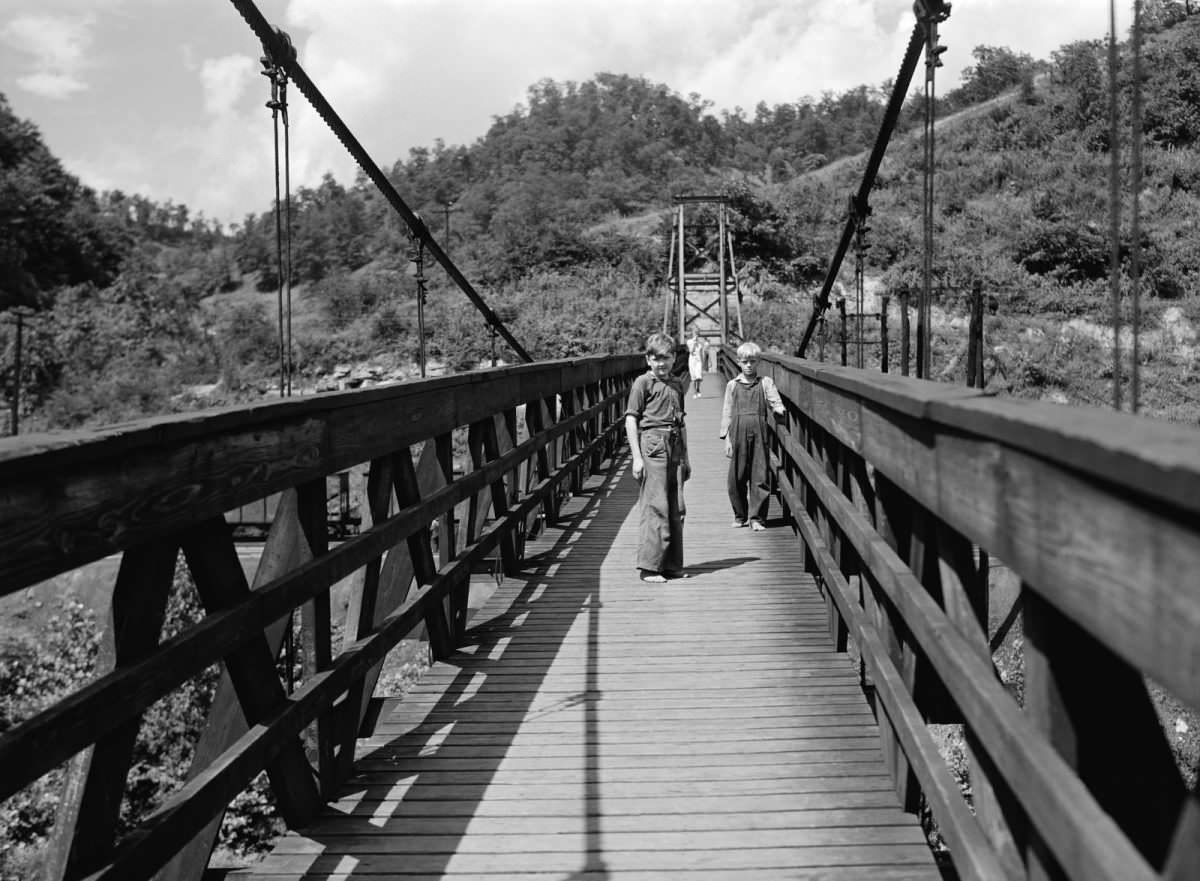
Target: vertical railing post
<point>1073,687</point>
<point>316,626</point>
<point>905,331</point>
<point>94,784</point>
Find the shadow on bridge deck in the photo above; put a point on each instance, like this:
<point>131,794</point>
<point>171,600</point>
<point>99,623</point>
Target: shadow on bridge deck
<point>596,726</point>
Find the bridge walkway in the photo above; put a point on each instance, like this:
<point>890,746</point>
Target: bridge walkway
<point>596,726</point>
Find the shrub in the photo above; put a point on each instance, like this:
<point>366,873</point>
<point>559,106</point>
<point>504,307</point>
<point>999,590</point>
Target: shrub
<point>35,674</point>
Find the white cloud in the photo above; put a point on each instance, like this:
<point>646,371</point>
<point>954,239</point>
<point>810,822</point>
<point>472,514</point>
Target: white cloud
<point>224,80</point>
<point>55,86</point>
<point>402,73</point>
<point>57,47</point>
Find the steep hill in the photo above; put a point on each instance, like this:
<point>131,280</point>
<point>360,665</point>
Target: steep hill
<point>559,218</point>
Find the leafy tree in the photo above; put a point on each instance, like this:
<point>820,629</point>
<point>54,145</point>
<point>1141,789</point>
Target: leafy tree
<point>1171,91</point>
<point>996,69</point>
<point>54,232</point>
<point>1083,101</point>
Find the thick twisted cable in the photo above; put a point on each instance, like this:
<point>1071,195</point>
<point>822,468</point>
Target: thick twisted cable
<point>277,48</point>
<point>916,43</point>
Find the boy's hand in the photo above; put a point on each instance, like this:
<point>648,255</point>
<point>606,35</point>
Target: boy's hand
<point>686,470</point>
<point>728,448</point>
<point>639,470</point>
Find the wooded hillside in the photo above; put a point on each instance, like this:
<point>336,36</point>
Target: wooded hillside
<point>559,212</point>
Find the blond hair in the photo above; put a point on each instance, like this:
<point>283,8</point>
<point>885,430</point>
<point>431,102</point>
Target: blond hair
<point>748,350</point>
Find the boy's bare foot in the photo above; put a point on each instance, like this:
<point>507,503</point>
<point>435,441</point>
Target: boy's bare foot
<point>653,577</point>
<point>757,525</point>
<point>737,523</point>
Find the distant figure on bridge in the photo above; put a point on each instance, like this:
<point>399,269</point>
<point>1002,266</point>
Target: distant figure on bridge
<point>748,397</point>
<point>658,440</point>
<point>697,349</point>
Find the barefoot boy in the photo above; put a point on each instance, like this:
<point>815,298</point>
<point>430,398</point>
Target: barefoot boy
<point>658,442</point>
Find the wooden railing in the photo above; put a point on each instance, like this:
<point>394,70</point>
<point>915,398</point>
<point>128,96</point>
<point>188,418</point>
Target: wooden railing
<point>152,490</point>
<point>902,492</point>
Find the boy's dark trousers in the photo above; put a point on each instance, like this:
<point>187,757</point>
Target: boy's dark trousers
<point>748,483</point>
<point>660,530</point>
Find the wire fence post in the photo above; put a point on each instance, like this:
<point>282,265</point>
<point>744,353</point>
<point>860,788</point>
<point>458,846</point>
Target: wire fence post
<point>841,307</point>
<point>884,300</point>
<point>975,337</point>
<point>14,427</point>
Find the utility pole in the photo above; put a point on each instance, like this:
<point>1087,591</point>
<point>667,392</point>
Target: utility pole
<point>448,209</point>
<point>16,395</point>
<point>18,317</point>
<point>416,257</point>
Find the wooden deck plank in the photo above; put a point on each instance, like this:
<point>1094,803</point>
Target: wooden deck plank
<point>598,726</point>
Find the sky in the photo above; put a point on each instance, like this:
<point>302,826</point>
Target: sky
<point>165,97</point>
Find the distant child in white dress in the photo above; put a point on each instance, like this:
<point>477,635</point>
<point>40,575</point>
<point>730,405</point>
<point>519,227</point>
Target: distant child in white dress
<point>697,348</point>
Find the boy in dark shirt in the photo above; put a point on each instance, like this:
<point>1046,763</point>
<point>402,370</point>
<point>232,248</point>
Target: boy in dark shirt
<point>658,441</point>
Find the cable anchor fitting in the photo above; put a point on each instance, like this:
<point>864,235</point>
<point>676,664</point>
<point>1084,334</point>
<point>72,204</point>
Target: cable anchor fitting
<point>277,55</point>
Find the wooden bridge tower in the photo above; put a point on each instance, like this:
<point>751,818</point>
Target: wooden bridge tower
<point>702,284</point>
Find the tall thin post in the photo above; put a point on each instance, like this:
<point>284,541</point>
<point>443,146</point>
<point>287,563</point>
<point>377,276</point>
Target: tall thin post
<point>447,209</point>
<point>724,309</point>
<point>884,300</point>
<point>820,326</point>
<point>1135,224</point>
<point>682,285</point>
<point>1114,201</point>
<point>418,259</point>
<point>14,426</point>
<point>905,331</point>
<point>737,292</point>
<point>670,295</point>
<point>860,213</point>
<point>841,307</point>
<point>974,335</point>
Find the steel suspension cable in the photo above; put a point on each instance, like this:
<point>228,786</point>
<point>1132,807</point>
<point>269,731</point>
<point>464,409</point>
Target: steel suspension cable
<point>287,214</point>
<point>925,310</point>
<point>272,72</point>
<point>271,39</point>
<point>891,114</point>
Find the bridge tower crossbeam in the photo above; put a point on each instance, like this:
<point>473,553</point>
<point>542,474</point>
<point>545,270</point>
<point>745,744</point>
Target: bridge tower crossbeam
<point>702,285</point>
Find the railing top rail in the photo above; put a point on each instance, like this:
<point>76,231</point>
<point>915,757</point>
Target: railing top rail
<point>56,449</point>
<point>68,499</point>
<point>1160,460</point>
